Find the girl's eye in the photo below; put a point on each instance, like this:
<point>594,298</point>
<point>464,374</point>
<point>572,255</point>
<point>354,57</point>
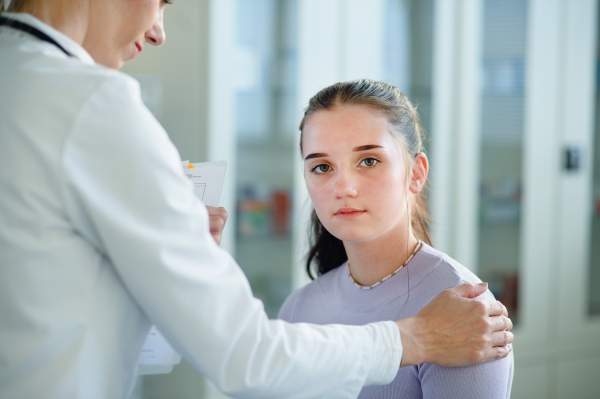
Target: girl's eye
<point>322,168</point>
<point>369,162</point>
<point>168,1</point>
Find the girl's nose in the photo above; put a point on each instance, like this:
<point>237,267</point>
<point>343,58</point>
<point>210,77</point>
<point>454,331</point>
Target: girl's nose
<point>344,185</point>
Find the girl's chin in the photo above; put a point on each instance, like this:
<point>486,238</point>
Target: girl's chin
<point>353,237</point>
<point>356,231</point>
<point>362,233</point>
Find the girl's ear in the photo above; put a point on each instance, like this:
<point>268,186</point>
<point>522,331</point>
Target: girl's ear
<point>419,173</point>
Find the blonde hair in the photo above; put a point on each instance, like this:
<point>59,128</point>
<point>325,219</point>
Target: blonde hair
<point>13,5</point>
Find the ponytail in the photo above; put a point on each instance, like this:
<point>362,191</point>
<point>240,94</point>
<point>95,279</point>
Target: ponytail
<point>420,219</point>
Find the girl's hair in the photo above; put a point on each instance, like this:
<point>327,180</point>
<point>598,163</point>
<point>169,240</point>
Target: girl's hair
<point>327,251</point>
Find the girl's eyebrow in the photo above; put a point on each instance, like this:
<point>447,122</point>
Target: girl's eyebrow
<point>316,155</point>
<point>366,147</point>
<point>356,149</point>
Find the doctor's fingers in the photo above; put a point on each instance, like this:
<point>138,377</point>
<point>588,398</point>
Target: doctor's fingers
<point>501,338</point>
<point>216,237</point>
<point>495,308</point>
<point>217,217</point>
<point>497,347</point>
<point>500,323</point>
<point>496,352</point>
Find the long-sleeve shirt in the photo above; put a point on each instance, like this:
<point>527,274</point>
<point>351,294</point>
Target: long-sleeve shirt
<point>101,236</point>
<point>334,298</point>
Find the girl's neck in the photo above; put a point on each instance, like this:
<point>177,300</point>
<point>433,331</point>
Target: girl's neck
<point>372,260</point>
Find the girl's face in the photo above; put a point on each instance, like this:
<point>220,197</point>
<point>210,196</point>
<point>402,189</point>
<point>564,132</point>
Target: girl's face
<point>118,29</point>
<point>355,173</point>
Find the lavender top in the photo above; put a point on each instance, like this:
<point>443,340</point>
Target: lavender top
<point>334,299</point>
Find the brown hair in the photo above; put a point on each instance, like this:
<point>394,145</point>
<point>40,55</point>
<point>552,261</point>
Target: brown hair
<point>327,251</point>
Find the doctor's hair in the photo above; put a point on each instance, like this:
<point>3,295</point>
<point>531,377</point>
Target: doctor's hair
<point>327,251</point>
<point>13,5</point>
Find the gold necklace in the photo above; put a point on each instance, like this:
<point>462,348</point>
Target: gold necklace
<point>368,287</point>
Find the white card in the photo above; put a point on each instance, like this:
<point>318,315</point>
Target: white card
<point>208,181</point>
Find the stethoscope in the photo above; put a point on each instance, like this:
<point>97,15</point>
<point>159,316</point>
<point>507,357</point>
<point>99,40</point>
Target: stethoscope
<point>11,23</point>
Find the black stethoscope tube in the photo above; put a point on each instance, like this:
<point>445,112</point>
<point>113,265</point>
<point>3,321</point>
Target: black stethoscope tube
<point>32,31</point>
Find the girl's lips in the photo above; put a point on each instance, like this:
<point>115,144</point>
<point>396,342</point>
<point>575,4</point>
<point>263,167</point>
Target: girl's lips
<point>138,47</point>
<point>348,213</point>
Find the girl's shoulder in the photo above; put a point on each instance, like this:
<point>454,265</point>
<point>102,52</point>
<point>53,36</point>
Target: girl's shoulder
<point>425,276</point>
<point>448,264</point>
<point>317,291</point>
<point>438,271</point>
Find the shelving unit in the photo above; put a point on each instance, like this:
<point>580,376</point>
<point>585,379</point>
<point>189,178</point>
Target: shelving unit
<point>504,109</point>
<point>265,144</point>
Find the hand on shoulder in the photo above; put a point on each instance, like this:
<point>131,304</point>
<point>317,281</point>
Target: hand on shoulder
<point>454,330</point>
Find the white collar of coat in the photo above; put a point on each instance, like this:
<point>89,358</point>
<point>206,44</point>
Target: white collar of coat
<point>69,44</point>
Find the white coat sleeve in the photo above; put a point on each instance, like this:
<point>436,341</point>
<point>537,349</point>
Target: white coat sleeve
<point>122,171</point>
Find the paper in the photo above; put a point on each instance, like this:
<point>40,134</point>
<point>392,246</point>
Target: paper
<point>208,181</point>
<point>157,355</point>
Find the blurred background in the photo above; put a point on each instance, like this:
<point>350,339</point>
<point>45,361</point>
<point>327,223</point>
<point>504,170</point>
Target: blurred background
<point>507,91</point>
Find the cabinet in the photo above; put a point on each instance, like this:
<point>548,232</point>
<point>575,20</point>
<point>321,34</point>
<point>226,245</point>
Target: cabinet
<point>509,206</point>
<point>265,139</point>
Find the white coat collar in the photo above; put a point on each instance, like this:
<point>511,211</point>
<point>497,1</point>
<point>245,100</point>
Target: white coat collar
<point>69,44</point>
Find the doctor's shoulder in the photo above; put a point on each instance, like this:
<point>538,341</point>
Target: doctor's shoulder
<point>67,80</point>
<point>55,90</point>
<point>83,81</point>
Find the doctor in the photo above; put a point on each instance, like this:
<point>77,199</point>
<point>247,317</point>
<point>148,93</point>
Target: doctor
<point>101,236</point>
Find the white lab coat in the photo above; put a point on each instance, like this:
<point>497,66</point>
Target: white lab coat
<point>101,236</point>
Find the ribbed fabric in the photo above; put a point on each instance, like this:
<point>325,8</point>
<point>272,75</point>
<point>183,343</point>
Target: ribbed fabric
<point>333,298</point>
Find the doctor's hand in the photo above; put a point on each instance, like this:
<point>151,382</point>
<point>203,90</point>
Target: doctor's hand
<point>453,330</point>
<point>217,217</point>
